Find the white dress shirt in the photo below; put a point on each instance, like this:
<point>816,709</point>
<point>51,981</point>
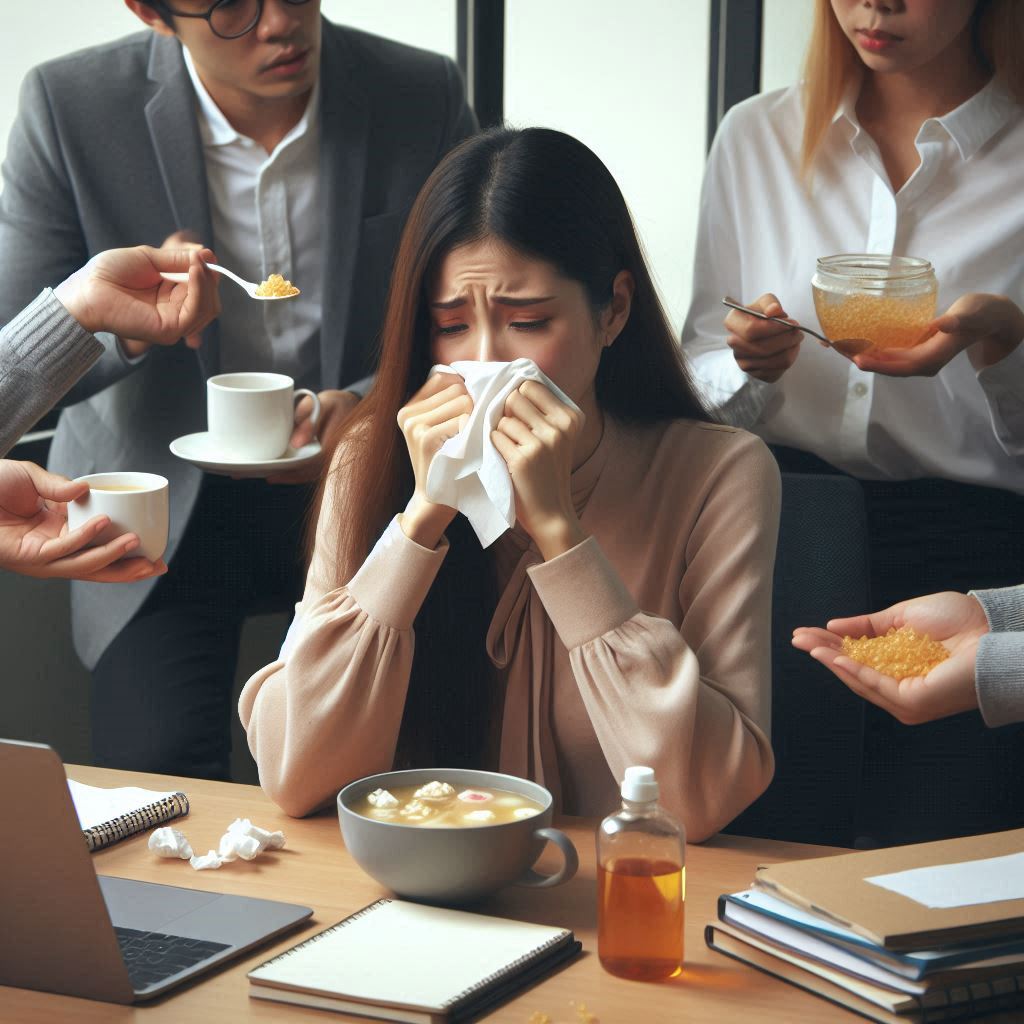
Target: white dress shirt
<point>265,211</point>
<point>762,231</point>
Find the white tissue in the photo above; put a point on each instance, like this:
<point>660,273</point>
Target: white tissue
<point>207,862</point>
<point>232,846</point>
<point>245,840</point>
<point>468,473</point>
<point>169,842</point>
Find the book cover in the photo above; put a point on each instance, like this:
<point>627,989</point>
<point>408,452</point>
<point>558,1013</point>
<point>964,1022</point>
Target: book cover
<point>914,964</point>
<point>414,963</point>
<point>868,1000</point>
<point>945,988</point>
<point>840,888</point>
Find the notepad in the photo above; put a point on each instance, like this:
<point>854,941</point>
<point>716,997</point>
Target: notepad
<point>109,815</point>
<point>413,963</point>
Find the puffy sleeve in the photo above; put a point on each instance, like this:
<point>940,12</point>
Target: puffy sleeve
<point>694,703</point>
<point>328,710</point>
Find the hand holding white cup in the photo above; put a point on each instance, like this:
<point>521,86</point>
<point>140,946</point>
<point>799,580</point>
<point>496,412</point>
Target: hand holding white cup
<point>250,416</point>
<point>134,502</point>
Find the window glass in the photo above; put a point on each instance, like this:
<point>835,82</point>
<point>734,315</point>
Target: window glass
<point>429,24</point>
<point>785,30</point>
<point>632,85</point>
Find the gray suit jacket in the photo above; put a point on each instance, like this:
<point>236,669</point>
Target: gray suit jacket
<point>106,152</point>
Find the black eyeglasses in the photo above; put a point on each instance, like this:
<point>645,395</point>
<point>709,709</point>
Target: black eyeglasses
<point>229,19</point>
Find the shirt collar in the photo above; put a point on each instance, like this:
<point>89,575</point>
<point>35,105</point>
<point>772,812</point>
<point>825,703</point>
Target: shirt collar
<point>216,130</point>
<point>975,121</point>
<point>847,107</point>
<point>214,127</point>
<point>970,125</point>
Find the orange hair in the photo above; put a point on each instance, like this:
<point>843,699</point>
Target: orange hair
<point>832,62</point>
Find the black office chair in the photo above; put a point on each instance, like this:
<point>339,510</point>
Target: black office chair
<point>821,572</point>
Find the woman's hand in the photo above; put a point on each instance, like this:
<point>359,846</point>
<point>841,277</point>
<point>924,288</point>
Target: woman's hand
<point>988,327</point>
<point>438,411</point>
<point>536,437</point>
<point>34,536</point>
<point>763,349</point>
<point>957,620</point>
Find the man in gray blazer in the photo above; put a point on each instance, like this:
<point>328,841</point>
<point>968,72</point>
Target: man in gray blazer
<point>287,144</point>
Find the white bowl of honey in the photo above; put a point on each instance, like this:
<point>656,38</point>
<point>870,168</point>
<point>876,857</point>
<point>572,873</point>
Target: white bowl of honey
<point>886,300</point>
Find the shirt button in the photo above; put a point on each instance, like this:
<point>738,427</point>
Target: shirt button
<point>860,389</point>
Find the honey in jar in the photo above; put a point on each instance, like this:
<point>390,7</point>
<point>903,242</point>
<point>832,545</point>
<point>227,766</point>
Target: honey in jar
<point>887,300</point>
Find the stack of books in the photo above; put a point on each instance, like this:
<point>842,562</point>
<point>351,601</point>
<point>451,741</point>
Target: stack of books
<point>930,932</point>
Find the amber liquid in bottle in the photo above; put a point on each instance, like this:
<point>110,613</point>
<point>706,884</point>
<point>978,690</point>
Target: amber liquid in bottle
<point>641,912</point>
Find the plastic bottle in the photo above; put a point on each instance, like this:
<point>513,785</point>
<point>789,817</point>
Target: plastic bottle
<point>641,884</point>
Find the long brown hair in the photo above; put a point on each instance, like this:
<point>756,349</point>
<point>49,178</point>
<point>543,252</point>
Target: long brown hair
<point>546,195</point>
<point>997,28</point>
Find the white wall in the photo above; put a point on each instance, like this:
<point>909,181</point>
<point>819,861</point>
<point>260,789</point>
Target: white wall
<point>785,31</point>
<point>632,84</point>
<point>34,32</point>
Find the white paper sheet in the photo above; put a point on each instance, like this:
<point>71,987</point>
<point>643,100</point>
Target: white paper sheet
<point>95,806</point>
<point>959,885</point>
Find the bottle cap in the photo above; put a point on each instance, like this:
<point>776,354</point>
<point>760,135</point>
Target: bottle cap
<point>640,785</point>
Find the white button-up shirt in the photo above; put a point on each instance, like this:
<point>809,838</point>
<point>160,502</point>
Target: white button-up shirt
<point>762,231</point>
<point>265,211</point>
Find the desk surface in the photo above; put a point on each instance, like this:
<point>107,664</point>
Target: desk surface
<point>314,869</point>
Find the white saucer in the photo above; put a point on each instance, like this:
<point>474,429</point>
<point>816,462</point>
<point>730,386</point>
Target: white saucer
<point>201,451</point>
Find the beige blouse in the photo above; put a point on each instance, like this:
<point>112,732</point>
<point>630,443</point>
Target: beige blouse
<point>648,643</point>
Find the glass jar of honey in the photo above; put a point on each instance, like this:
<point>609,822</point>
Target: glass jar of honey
<point>887,300</point>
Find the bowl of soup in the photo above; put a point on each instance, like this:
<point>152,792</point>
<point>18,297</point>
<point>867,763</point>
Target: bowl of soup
<point>451,835</point>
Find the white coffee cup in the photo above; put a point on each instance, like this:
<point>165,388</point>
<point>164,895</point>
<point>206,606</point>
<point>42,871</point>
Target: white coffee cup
<point>136,503</point>
<point>250,416</point>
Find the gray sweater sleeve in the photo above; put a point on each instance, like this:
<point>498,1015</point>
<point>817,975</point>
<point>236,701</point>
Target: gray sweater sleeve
<point>999,668</point>
<point>43,351</point>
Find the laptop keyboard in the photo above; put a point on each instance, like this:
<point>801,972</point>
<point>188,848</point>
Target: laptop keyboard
<point>152,956</point>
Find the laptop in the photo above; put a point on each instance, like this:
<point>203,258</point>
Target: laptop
<point>69,930</point>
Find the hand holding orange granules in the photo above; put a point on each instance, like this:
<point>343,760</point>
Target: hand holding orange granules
<point>899,653</point>
<point>898,662</point>
<point>276,286</point>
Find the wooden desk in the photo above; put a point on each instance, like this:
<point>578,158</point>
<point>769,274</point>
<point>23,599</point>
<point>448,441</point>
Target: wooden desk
<point>314,869</point>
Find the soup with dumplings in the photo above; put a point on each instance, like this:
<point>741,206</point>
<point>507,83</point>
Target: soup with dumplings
<point>440,805</point>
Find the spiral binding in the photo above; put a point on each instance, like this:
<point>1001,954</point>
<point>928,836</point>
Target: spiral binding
<point>508,969</point>
<point>109,832</point>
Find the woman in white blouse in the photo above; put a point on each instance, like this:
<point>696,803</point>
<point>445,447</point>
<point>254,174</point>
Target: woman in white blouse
<point>906,137</point>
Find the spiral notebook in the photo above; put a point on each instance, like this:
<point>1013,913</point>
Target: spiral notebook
<point>412,963</point>
<point>110,815</point>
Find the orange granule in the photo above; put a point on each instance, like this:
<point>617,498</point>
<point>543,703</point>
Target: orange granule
<point>901,653</point>
<point>276,285</point>
<point>885,321</point>
<point>583,1016</point>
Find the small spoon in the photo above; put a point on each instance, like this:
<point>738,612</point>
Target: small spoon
<point>249,287</point>
<point>848,347</point>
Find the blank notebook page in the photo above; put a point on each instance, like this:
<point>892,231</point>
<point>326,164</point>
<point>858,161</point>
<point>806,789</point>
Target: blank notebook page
<point>405,953</point>
<point>96,806</point>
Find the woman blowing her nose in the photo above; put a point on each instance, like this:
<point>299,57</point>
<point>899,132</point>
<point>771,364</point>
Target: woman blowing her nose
<point>625,618</point>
